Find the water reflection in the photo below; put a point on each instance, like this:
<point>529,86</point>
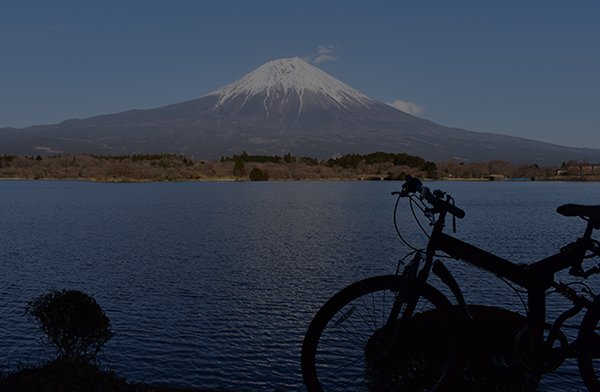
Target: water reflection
<point>213,284</point>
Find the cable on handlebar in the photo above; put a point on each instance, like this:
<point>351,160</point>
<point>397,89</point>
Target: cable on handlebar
<point>422,197</point>
<point>396,224</point>
<point>416,201</point>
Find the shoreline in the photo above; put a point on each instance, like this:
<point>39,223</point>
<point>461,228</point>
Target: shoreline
<point>351,167</point>
<point>358,179</point>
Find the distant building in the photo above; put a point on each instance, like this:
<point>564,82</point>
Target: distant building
<point>579,169</point>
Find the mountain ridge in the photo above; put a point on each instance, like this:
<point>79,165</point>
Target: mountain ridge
<point>283,106</point>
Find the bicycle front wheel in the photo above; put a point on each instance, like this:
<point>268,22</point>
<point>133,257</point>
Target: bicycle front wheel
<point>340,349</point>
<point>588,358</point>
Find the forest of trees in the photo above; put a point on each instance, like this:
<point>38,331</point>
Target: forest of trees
<point>375,166</point>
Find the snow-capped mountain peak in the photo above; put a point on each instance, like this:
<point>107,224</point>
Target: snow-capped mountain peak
<point>294,80</point>
<point>284,106</point>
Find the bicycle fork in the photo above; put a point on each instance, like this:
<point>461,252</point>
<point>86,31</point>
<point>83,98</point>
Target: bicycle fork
<point>407,297</point>
<point>412,285</point>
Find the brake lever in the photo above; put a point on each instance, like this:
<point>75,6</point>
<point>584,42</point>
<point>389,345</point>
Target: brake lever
<point>578,272</point>
<point>450,200</point>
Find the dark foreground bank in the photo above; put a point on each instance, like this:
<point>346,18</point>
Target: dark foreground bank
<point>62,376</point>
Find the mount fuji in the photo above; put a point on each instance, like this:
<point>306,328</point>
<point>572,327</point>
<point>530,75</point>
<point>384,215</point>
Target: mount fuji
<point>284,106</point>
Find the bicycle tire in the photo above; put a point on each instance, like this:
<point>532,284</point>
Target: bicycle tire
<point>338,354</point>
<point>588,358</point>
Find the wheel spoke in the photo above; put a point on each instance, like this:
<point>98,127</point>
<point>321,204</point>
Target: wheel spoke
<point>344,354</point>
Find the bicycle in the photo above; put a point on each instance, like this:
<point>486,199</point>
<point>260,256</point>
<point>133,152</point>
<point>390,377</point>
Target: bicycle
<point>399,333</point>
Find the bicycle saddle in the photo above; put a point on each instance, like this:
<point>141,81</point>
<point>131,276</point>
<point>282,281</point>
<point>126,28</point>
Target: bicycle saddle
<point>580,210</point>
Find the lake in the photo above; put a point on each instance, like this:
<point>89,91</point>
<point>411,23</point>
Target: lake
<point>213,284</point>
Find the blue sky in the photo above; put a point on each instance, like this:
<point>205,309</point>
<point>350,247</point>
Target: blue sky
<point>523,68</point>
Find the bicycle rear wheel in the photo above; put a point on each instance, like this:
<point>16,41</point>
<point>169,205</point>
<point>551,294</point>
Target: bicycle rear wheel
<point>588,358</point>
<point>340,348</point>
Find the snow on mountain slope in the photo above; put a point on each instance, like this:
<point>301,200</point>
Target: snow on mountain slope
<point>293,81</point>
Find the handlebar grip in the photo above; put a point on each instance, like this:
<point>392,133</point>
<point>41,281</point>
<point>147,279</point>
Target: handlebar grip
<point>445,205</point>
<point>454,210</point>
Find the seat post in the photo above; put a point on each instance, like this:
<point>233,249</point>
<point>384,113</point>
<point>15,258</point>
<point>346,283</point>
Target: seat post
<point>537,310</point>
<point>592,224</point>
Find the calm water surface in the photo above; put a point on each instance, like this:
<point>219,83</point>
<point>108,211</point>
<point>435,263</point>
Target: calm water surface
<point>213,284</point>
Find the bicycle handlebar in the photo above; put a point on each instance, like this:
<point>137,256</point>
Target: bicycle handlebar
<point>414,185</point>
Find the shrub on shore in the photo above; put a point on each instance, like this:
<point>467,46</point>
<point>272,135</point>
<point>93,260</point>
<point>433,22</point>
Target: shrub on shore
<point>73,322</point>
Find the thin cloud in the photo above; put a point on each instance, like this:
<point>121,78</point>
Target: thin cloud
<point>407,107</point>
<point>322,56</point>
<point>324,49</point>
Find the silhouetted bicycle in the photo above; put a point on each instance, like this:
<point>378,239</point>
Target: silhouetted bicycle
<point>398,333</point>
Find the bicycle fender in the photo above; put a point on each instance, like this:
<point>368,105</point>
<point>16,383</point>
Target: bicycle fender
<point>442,272</point>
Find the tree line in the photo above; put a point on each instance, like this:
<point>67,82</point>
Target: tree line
<point>374,166</point>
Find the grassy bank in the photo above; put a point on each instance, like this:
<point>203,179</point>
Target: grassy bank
<point>376,166</point>
<point>180,168</point>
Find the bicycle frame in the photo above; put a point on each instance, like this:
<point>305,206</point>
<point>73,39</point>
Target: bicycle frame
<point>536,278</point>
<point>386,340</point>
